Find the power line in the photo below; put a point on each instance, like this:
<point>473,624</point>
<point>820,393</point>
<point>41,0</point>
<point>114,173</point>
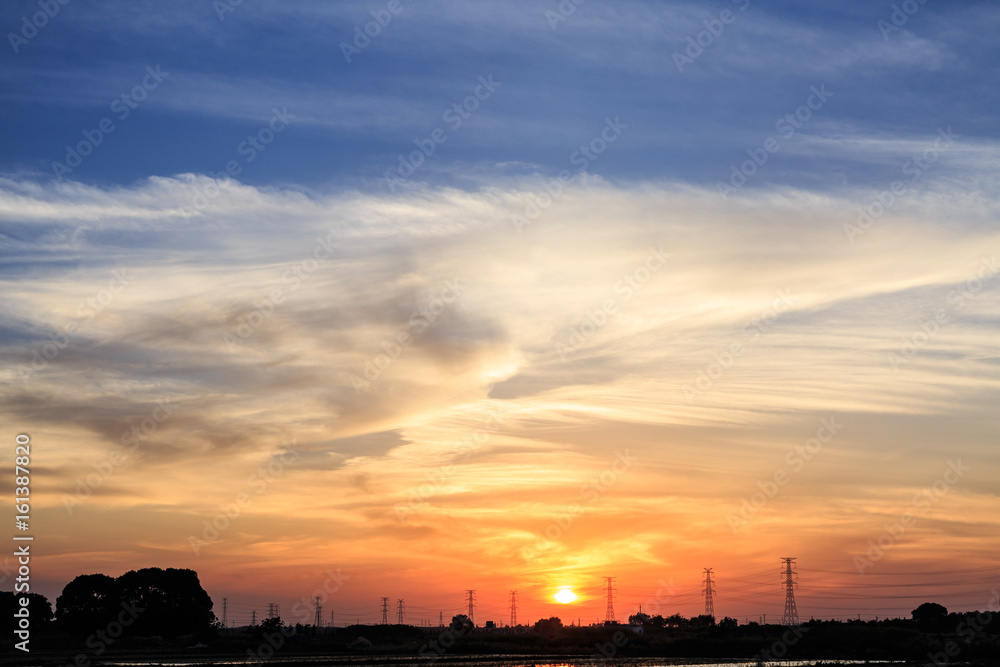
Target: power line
<point>385,611</point>
<point>400,606</point>
<point>513,609</point>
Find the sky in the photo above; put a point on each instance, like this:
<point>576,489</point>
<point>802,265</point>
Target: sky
<point>404,299</point>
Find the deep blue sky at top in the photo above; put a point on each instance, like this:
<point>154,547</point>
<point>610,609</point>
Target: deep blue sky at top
<point>891,91</point>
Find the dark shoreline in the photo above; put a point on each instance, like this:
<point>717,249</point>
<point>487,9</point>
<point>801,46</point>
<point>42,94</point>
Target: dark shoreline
<point>320,659</point>
<point>200,659</point>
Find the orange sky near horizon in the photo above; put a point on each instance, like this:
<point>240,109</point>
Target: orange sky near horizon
<point>644,384</point>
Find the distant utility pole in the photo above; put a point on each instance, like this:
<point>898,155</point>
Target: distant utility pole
<point>791,616</point>
<point>441,619</point>
<point>472,605</point>
<point>225,604</point>
<point>273,610</point>
<point>319,613</point>
<point>709,602</point>
<point>253,617</point>
<point>332,624</point>
<point>609,615</point>
<point>513,609</point>
<point>385,611</point>
<point>399,611</point>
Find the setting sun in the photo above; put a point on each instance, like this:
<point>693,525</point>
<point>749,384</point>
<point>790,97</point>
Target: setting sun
<point>565,596</point>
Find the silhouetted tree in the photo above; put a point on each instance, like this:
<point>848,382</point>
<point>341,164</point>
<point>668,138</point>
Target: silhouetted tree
<point>39,606</point>
<point>548,626</point>
<point>269,626</point>
<point>461,623</point>
<point>150,601</point>
<point>173,601</point>
<point>640,619</point>
<point>87,603</point>
<point>930,616</point>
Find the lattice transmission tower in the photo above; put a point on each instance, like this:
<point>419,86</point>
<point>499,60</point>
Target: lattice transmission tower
<point>791,615</point>
<point>385,611</point>
<point>709,590</point>
<point>609,614</point>
<point>472,605</point>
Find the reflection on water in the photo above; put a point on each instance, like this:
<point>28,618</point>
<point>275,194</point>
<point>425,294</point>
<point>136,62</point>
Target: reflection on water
<point>483,661</point>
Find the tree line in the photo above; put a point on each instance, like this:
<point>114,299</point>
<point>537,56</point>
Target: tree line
<point>151,602</point>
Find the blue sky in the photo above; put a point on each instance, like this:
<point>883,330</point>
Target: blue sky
<point>564,258</point>
<point>352,120</point>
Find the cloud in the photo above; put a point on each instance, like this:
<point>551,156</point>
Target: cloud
<point>376,336</point>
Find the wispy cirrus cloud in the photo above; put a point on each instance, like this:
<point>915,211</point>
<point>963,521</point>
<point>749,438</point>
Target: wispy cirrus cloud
<point>493,348</point>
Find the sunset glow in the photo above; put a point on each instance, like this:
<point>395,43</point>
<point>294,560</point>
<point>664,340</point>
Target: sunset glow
<point>565,596</point>
<point>506,307</point>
